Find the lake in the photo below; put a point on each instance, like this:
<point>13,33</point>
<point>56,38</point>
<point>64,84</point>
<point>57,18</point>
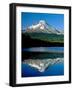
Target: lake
<point>43,53</point>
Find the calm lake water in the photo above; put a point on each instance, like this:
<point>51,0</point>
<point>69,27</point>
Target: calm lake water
<point>53,70</point>
<point>43,49</point>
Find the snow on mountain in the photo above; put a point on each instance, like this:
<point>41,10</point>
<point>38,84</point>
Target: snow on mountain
<point>43,27</point>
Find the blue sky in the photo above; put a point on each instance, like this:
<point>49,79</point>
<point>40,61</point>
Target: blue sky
<point>28,18</point>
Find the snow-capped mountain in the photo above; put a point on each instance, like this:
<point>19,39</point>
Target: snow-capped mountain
<point>43,27</point>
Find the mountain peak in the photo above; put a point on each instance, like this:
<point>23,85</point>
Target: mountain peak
<point>43,26</point>
<point>40,25</point>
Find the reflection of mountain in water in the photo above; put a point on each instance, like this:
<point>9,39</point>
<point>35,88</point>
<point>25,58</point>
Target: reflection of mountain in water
<point>42,34</point>
<point>42,57</point>
<point>37,61</point>
<point>42,65</point>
